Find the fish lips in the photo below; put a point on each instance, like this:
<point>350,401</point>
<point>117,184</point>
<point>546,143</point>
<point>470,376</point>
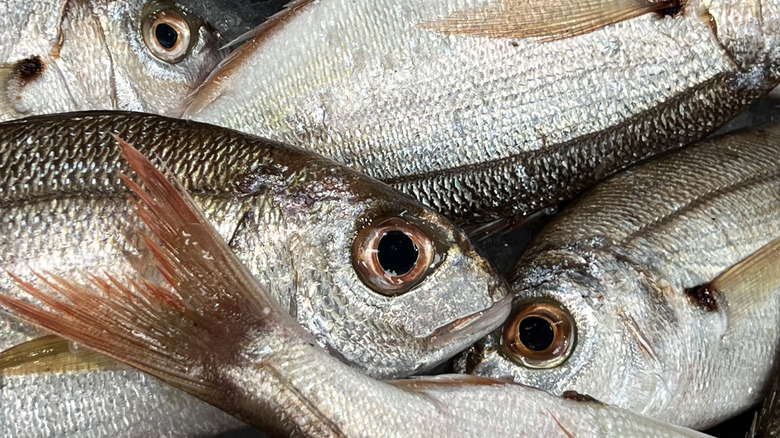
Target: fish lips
<point>475,325</point>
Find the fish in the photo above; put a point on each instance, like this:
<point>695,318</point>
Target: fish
<point>216,333</point>
<point>385,284</point>
<point>618,296</point>
<point>486,122</point>
<point>135,55</point>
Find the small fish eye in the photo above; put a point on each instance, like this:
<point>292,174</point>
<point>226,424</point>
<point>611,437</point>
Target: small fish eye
<point>392,256</point>
<point>539,335</point>
<point>167,35</point>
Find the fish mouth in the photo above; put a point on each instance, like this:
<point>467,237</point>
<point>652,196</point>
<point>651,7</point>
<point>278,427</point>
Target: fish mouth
<point>474,325</point>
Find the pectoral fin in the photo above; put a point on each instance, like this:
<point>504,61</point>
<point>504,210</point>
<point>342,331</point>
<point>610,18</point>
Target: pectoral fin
<point>744,286</point>
<point>543,19</point>
<point>52,354</point>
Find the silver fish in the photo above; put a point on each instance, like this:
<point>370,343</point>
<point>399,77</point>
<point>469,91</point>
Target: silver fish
<point>61,55</point>
<point>384,283</point>
<point>219,336</point>
<point>617,297</point>
<point>451,101</point>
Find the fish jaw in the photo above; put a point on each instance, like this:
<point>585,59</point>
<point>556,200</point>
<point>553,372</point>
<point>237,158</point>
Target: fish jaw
<point>749,30</point>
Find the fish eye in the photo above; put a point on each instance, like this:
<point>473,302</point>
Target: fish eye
<point>392,256</point>
<point>540,335</point>
<point>167,34</point>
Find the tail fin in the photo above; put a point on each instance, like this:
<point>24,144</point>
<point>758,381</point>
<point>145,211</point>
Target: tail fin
<point>182,335</point>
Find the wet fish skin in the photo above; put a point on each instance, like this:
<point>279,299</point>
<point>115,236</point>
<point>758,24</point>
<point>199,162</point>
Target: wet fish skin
<point>483,128</point>
<point>103,404</point>
<point>264,369</point>
<point>291,215</point>
<point>628,260</point>
<point>60,56</point>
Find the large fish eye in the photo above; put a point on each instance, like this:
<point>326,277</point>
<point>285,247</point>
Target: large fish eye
<point>167,34</point>
<point>392,256</point>
<point>539,335</point>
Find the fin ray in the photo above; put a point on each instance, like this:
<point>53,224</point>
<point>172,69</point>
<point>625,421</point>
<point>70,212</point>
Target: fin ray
<point>543,19</point>
<point>750,282</point>
<point>52,354</point>
<point>180,335</point>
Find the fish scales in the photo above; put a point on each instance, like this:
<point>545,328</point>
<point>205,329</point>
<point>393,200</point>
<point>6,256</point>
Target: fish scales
<point>293,216</point>
<point>632,259</point>
<point>59,56</point>
<point>263,369</point>
<point>483,128</point>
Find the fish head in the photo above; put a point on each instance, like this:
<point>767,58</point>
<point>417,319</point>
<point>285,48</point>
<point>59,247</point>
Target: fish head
<point>577,324</point>
<point>134,55</point>
<point>748,30</point>
<point>384,283</point>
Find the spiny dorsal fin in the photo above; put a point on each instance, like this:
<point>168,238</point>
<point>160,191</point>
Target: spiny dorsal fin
<point>52,354</point>
<point>543,19</point>
<point>185,337</point>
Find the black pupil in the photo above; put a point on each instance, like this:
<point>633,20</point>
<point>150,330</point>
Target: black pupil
<point>397,253</point>
<point>166,35</point>
<point>536,333</point>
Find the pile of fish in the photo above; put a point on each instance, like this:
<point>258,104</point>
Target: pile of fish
<point>273,226</point>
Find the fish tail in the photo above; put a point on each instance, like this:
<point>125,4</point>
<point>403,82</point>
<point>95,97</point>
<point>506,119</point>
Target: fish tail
<point>183,333</point>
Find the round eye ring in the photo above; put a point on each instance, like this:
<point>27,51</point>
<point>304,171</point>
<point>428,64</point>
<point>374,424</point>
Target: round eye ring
<point>167,35</point>
<point>541,334</point>
<point>392,256</point>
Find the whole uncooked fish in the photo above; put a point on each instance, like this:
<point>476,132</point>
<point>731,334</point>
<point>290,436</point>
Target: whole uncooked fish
<point>222,338</point>
<point>613,297</point>
<point>60,55</point>
<point>384,283</point>
<point>455,103</point>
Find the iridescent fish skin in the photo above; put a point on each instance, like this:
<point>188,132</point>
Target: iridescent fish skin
<point>65,55</point>
<point>632,263</point>
<point>294,218</point>
<point>216,334</point>
<point>485,127</point>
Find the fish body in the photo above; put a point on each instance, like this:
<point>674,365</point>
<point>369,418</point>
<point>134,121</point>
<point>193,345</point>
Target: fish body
<point>482,127</point>
<point>60,56</point>
<point>629,271</point>
<point>264,369</point>
<point>304,224</point>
